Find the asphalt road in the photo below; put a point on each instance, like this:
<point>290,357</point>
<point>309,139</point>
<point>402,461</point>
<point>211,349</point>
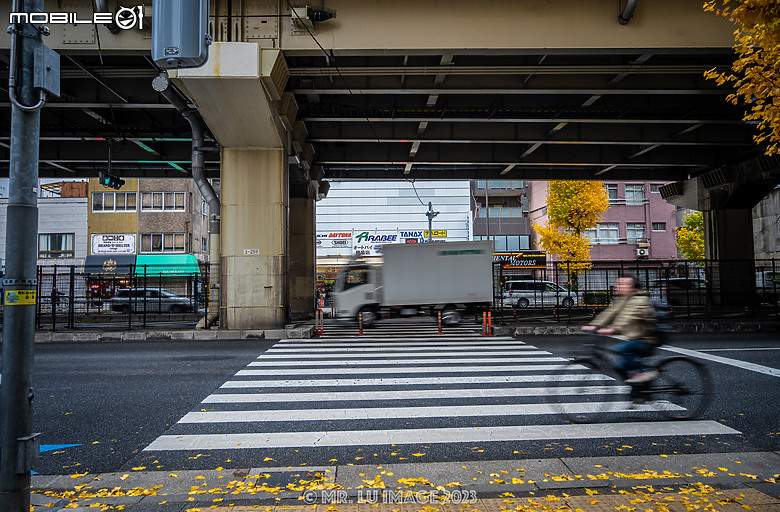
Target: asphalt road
<point>113,400</point>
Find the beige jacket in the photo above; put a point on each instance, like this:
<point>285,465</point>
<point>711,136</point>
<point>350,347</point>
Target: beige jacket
<point>632,316</point>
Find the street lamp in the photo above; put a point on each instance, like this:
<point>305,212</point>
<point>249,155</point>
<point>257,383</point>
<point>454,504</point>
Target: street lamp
<point>430,214</point>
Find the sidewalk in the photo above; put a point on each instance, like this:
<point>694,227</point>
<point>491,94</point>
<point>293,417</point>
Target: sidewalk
<point>658,483</point>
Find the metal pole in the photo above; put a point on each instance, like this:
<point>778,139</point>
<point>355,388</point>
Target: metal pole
<point>20,284</point>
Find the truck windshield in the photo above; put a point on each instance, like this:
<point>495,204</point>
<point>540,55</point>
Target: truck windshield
<point>355,277</point>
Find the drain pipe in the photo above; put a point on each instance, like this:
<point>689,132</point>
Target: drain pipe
<point>162,85</point>
<point>628,13</point>
<point>102,6</point>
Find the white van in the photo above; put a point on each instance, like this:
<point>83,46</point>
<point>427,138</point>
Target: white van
<point>522,294</point>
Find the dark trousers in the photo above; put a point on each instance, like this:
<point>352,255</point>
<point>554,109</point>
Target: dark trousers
<point>631,352</point>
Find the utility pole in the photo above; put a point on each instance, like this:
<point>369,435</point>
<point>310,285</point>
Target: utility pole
<point>31,64</point>
<point>430,214</point>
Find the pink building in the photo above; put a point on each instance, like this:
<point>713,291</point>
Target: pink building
<point>639,224</point>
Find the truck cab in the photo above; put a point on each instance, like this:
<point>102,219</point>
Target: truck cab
<point>358,290</point>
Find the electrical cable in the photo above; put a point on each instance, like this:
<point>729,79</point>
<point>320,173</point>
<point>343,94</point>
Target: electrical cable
<point>331,59</point>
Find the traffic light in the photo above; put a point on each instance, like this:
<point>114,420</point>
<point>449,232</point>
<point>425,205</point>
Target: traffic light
<point>110,181</point>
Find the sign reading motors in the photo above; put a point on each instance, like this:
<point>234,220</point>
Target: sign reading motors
<point>335,240</point>
<point>525,259</point>
<point>124,18</point>
<point>113,244</point>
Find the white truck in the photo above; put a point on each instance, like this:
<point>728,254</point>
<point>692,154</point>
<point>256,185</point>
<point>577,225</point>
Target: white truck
<point>451,277</point>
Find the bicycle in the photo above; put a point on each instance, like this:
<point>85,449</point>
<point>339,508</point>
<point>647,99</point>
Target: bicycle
<point>682,390</point>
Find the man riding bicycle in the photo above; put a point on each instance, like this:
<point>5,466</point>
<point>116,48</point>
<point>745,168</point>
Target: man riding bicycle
<point>633,316</point>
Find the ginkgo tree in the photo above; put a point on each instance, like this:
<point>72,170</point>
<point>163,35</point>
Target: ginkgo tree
<point>756,71</point>
<point>690,236</point>
<point>573,207</point>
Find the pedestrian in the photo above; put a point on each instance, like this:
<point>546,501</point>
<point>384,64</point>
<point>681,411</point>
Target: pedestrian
<point>633,316</point>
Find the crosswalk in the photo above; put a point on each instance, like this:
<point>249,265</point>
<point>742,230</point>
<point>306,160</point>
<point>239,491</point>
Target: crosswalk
<point>342,392</point>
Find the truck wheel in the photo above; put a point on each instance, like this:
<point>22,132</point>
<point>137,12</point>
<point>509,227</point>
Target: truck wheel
<point>523,303</point>
<point>567,302</point>
<point>369,317</point>
<point>450,317</point>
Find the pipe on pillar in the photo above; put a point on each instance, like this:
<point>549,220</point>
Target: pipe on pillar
<point>628,13</point>
<point>102,6</point>
<point>162,85</point>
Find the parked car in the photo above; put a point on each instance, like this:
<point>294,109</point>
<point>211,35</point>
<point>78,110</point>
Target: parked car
<point>768,286</point>
<point>680,291</point>
<point>522,294</point>
<point>158,300</point>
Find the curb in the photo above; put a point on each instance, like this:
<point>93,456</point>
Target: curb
<point>679,328</point>
<point>302,332</point>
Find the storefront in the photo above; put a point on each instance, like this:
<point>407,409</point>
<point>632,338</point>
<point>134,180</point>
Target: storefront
<point>107,273</point>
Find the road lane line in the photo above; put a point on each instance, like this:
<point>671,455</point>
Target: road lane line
<point>385,413</point>
<point>430,344</point>
<point>436,435</point>
<point>766,370</point>
<point>354,354</point>
<point>410,394</point>
<point>410,381</point>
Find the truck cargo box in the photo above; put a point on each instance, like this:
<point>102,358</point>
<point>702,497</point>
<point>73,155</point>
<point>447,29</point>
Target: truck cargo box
<point>437,273</point>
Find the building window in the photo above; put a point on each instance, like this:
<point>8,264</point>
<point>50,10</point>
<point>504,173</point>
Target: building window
<point>655,188</point>
<point>635,194</point>
<point>55,245</point>
<point>113,201</point>
<point>204,208</point>
<point>163,201</point>
<point>659,226</point>
<point>612,192</point>
<point>635,232</point>
<point>162,242</point>
<point>604,233</point>
<point>204,245</point>
<point>500,184</point>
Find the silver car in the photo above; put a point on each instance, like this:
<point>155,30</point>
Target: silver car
<point>158,300</point>
<point>522,294</point>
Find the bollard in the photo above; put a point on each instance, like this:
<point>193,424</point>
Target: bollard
<point>439,315</point>
<point>360,324</point>
<point>490,323</point>
<point>514,313</point>
<point>594,312</point>
<point>484,323</point>
<point>555,313</point>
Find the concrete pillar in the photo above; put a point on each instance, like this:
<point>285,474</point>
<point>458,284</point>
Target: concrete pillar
<point>302,259</point>
<point>253,191</point>
<point>728,239</point>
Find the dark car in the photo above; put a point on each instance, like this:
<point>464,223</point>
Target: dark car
<point>158,300</point>
<point>680,291</point>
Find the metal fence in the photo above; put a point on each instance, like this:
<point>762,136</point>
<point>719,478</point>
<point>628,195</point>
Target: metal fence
<point>702,289</point>
<point>124,296</point>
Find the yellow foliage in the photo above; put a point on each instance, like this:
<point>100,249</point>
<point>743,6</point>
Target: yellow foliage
<point>690,237</point>
<point>572,208</point>
<point>756,70</point>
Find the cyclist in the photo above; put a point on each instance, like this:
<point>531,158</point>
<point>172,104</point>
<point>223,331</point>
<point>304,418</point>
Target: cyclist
<point>633,316</point>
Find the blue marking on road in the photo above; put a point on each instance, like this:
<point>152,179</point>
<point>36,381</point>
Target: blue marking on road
<point>52,447</point>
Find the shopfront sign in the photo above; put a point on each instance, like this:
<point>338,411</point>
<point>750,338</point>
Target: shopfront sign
<point>367,243</point>
<point>521,259</point>
<point>335,240</point>
<point>113,244</point>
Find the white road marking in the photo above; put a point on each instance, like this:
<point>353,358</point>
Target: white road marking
<point>410,394</point>
<point>391,336</point>
<point>736,349</point>
<point>428,344</point>
<point>357,353</point>
<point>412,369</point>
<point>766,370</point>
<point>384,413</point>
<point>395,362</point>
<point>436,435</point>
<point>410,381</point>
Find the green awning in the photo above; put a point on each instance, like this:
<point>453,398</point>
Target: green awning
<point>166,265</point>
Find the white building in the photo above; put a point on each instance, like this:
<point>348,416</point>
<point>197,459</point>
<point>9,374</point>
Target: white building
<point>358,216</point>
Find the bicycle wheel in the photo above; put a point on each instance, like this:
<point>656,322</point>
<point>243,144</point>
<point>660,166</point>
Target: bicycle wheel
<point>683,388</point>
<point>582,391</point>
